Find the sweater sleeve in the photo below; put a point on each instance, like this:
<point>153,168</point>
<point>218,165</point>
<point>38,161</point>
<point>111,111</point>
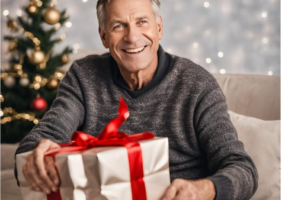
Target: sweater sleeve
<point>233,171</point>
<point>64,117</point>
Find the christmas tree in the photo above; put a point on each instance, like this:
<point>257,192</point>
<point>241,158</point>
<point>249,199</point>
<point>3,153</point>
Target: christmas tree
<point>30,84</point>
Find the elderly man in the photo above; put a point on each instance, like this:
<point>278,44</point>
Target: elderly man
<point>167,95</point>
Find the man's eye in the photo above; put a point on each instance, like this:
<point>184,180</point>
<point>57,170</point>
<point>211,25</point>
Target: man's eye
<point>118,26</point>
<point>143,22</point>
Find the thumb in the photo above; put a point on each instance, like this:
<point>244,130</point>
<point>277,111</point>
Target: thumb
<point>46,146</point>
<point>42,147</point>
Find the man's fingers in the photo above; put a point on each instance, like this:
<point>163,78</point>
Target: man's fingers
<point>181,189</point>
<point>30,173</point>
<point>29,179</point>
<point>47,184</point>
<point>35,169</point>
<point>52,172</point>
<point>178,183</point>
<point>38,182</point>
<point>170,193</point>
<point>43,146</point>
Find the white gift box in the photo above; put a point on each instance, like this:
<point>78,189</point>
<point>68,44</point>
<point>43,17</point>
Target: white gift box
<point>102,173</point>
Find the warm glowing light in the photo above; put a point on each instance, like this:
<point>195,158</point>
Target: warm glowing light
<point>270,73</point>
<point>84,1</point>
<point>195,45</point>
<point>26,116</point>
<point>6,12</point>
<point>265,40</point>
<point>1,113</point>
<point>36,41</point>
<point>264,14</point>
<point>208,60</point>
<point>19,13</point>
<point>57,26</point>
<point>39,3</point>
<point>35,121</point>
<point>222,71</point>
<point>63,36</point>
<point>59,75</point>
<point>36,86</point>
<point>76,46</point>
<point>220,54</point>
<point>38,78</point>
<point>68,24</point>
<point>206,4</point>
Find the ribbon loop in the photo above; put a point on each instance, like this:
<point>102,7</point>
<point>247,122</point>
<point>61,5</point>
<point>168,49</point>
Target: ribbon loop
<point>111,129</point>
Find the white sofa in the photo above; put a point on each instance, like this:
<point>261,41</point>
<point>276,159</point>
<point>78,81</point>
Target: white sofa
<point>254,104</point>
<point>254,108</point>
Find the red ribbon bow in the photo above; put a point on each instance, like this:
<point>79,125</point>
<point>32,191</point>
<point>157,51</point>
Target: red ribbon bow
<point>111,137</point>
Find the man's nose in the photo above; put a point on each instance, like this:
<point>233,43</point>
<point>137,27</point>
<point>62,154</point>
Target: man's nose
<point>132,34</point>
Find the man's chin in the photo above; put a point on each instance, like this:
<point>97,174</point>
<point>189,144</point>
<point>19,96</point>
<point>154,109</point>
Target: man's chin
<point>133,69</point>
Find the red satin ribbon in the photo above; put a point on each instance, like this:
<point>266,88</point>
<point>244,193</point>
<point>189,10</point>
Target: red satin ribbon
<point>111,137</point>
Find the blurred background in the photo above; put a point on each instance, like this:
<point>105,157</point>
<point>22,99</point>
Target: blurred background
<point>223,36</point>
<point>41,39</point>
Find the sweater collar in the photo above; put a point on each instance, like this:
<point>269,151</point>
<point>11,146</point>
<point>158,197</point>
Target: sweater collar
<point>161,72</point>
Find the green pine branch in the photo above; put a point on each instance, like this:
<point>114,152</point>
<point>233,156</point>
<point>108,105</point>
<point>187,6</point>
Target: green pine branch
<point>19,97</point>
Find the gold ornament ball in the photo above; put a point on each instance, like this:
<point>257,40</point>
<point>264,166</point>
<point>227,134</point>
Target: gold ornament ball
<point>52,16</point>
<point>12,24</point>
<point>24,81</point>
<point>37,56</point>
<point>53,83</point>
<point>32,9</point>
<point>9,81</point>
<point>65,58</point>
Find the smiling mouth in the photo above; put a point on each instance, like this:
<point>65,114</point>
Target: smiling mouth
<point>134,51</point>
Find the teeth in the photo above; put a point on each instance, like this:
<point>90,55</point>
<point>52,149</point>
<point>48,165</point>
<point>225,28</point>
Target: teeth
<point>134,50</point>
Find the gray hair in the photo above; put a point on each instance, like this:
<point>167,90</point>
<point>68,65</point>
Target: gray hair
<point>101,5</point>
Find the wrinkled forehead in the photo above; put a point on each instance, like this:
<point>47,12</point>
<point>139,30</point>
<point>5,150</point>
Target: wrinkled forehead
<point>128,8</point>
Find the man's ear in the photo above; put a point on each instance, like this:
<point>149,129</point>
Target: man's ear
<point>160,27</point>
<point>103,37</point>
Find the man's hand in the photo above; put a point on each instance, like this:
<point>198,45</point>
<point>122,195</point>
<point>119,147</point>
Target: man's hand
<point>181,189</point>
<point>39,171</point>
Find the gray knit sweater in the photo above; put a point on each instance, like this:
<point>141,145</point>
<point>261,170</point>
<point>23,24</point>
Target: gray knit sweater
<point>187,106</point>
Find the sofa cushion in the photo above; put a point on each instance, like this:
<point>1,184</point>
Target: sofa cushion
<point>7,154</point>
<point>262,142</point>
<point>249,94</point>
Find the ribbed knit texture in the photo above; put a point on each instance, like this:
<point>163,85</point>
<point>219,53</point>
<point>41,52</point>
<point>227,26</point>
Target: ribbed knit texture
<point>187,106</point>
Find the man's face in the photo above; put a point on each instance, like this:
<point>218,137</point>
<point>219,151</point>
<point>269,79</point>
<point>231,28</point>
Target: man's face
<point>132,34</point>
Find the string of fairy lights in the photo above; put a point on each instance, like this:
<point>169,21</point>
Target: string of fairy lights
<point>212,59</point>
<point>36,57</point>
<point>260,31</point>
